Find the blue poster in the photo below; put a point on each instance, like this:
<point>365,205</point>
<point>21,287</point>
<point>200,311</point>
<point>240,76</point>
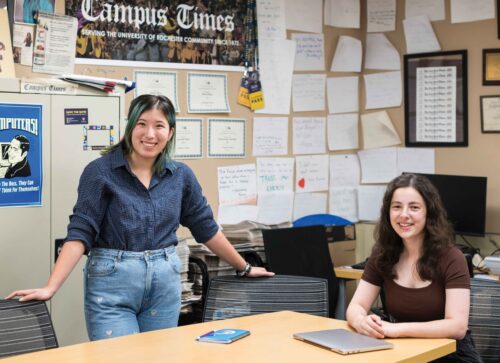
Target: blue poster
<point>20,155</point>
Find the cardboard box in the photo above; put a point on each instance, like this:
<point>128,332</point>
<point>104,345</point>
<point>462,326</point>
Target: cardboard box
<point>341,244</point>
<point>342,253</point>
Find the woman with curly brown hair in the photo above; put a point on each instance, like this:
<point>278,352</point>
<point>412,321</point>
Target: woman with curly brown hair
<point>424,277</point>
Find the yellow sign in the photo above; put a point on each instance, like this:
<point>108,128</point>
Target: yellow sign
<point>256,100</point>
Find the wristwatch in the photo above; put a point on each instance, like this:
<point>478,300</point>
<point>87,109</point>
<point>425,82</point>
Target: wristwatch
<point>246,270</point>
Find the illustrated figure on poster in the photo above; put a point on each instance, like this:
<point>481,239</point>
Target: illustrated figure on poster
<point>31,7</point>
<point>14,161</point>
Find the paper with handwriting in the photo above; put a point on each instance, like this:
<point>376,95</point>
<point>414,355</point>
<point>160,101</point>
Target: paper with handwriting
<point>344,170</point>
<point>237,184</point>
<point>308,92</point>
<point>381,15</point>
<point>383,90</point>
<point>275,175</point>
<point>271,19</point>
<point>311,173</point>
<point>309,135</point>
<point>434,9</point>
<point>310,52</point>
<point>344,203</point>
<point>270,136</point>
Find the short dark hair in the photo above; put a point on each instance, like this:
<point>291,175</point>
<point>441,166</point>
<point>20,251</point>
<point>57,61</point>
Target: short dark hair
<point>438,233</point>
<point>138,106</point>
<point>24,142</point>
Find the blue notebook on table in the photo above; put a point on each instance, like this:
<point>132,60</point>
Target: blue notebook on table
<point>224,336</point>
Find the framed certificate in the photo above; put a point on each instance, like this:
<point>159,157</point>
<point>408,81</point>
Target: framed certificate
<point>157,83</point>
<point>226,138</point>
<point>490,113</point>
<point>188,138</point>
<point>207,93</point>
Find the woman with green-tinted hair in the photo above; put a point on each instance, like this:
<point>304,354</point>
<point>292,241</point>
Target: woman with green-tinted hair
<point>130,204</point>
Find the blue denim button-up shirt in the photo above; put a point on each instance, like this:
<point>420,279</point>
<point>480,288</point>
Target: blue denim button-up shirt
<point>115,210</point>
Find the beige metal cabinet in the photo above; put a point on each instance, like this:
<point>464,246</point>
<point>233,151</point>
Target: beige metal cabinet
<point>28,237</point>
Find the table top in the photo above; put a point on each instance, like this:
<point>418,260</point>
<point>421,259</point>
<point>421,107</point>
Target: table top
<point>347,272</point>
<point>270,341</point>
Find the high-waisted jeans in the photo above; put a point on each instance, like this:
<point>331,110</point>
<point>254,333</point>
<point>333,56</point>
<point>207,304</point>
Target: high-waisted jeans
<point>131,292</point>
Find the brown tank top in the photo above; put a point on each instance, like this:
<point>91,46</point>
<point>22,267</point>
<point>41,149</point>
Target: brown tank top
<point>426,303</point>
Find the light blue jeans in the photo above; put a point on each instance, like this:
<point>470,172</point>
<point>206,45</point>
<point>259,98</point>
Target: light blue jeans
<point>131,292</point>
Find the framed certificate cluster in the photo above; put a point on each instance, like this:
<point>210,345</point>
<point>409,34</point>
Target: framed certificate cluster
<point>436,99</point>
<point>226,138</point>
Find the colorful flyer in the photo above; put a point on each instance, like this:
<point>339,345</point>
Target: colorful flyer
<point>20,155</point>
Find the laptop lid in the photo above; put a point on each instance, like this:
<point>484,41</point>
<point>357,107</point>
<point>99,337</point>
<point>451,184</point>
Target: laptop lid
<point>342,341</point>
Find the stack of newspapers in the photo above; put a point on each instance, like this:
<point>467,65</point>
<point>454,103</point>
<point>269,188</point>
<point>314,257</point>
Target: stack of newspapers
<point>246,236</point>
<point>187,295</point>
<point>215,266</point>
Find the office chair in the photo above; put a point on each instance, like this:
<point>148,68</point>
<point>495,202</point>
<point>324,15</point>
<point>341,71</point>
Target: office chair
<point>25,327</point>
<point>484,318</point>
<point>302,251</point>
<point>231,296</point>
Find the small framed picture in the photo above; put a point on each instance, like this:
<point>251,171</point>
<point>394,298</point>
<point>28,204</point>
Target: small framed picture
<point>436,99</point>
<point>490,113</point>
<point>491,67</point>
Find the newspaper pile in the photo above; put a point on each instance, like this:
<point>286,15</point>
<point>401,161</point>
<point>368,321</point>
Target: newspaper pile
<point>246,236</point>
<point>187,295</point>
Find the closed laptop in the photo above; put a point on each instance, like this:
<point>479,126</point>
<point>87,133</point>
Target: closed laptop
<point>343,341</point>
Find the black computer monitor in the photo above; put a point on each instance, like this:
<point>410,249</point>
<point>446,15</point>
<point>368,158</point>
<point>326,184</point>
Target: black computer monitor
<point>464,198</point>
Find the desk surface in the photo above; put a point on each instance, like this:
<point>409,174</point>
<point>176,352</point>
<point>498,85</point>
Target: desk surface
<point>270,341</point>
<point>345,272</point>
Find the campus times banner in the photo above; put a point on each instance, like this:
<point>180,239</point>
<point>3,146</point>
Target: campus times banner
<point>20,155</point>
<point>175,31</point>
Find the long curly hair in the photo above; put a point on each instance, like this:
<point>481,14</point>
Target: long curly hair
<point>438,232</point>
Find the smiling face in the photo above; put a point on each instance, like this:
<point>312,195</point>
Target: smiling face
<point>408,213</point>
<point>150,136</point>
